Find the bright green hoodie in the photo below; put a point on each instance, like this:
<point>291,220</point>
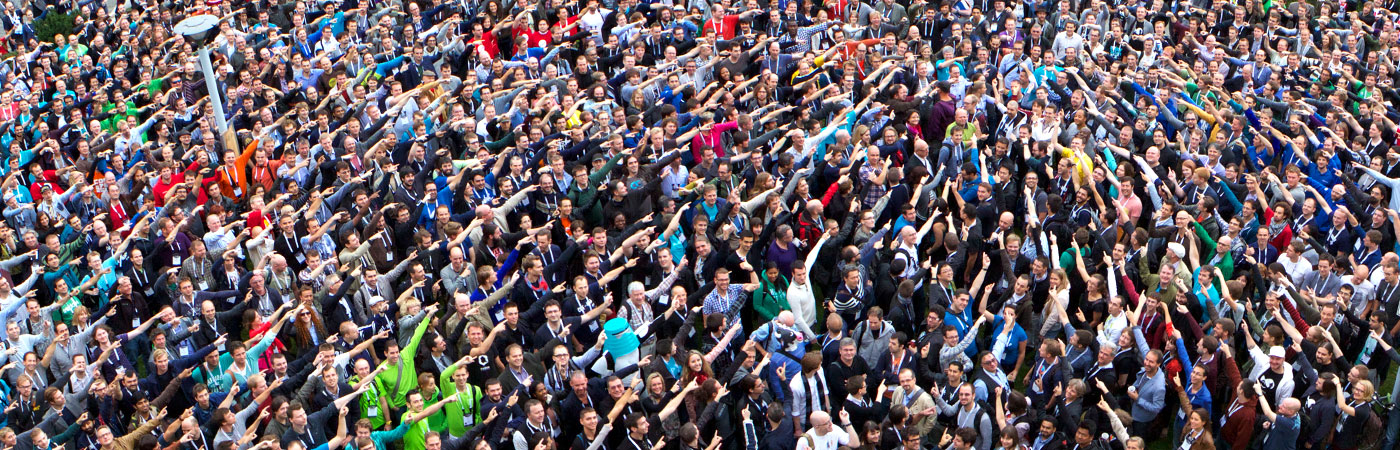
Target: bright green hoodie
<point>464,403</point>
<point>405,373</point>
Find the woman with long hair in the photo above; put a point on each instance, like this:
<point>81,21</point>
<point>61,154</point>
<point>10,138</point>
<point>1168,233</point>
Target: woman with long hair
<point>655,395</point>
<point>1196,435</point>
<point>707,394</point>
<point>869,436</point>
<point>256,324</point>
<point>1058,288</point>
<point>308,331</point>
<point>1009,439</point>
<point>696,367</point>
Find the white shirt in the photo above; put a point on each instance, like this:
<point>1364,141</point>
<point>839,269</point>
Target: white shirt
<point>1113,327</point>
<point>804,307</point>
<point>1361,292</point>
<point>800,402</point>
<point>830,441</point>
<point>1296,270</point>
<point>593,22</point>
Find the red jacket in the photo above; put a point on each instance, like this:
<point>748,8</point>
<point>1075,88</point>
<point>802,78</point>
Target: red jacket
<point>1239,426</point>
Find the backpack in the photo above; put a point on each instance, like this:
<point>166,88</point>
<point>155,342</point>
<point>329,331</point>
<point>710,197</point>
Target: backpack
<point>985,410</point>
<point>1373,431</point>
<point>1306,427</point>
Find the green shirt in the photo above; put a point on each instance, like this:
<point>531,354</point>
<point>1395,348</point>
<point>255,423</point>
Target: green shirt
<point>416,437</point>
<point>369,402</point>
<point>465,409</point>
<point>110,125</point>
<point>155,87</point>
<point>438,421</point>
<point>400,378</point>
<point>65,312</point>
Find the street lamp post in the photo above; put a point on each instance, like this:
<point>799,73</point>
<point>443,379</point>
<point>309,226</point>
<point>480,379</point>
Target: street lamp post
<point>200,29</point>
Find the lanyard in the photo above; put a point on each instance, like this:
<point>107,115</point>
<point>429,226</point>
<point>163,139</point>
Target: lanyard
<point>1235,406</point>
<point>1321,283</point>
<point>1044,367</point>
<point>962,324</point>
<point>293,242</point>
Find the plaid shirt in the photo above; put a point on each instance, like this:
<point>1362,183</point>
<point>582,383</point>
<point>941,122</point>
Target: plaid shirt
<point>873,190</point>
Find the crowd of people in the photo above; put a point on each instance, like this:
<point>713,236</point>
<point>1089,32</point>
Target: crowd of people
<point>644,225</point>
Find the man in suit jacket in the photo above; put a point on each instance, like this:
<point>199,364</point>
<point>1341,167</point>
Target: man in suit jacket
<point>253,286</point>
<point>376,284</point>
<point>919,158</point>
<point>1322,281</point>
<point>707,258</point>
<point>1101,372</point>
<point>339,306</point>
<point>212,323</point>
<point>1048,372</point>
<point>1263,253</point>
<point>589,392</point>
<point>894,12</point>
<point>522,366</point>
<point>1148,393</point>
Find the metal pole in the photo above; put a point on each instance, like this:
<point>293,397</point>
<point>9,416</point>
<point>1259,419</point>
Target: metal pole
<point>212,84</point>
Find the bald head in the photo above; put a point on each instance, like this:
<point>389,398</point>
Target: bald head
<point>786,318</point>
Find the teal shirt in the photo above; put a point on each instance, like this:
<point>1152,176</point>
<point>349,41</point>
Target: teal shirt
<point>383,438</point>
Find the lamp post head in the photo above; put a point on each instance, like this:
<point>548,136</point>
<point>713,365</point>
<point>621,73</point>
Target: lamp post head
<point>199,29</point>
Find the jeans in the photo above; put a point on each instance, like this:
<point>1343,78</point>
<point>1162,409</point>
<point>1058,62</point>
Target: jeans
<point>1392,431</point>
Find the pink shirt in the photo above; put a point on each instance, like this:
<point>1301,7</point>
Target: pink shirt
<point>1133,204</point>
<point>711,138</point>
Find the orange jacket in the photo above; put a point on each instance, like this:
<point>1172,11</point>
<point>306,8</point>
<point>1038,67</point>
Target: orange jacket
<point>233,181</point>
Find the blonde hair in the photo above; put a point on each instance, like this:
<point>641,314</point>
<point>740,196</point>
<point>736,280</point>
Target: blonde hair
<point>1368,391</point>
<point>1064,278</point>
